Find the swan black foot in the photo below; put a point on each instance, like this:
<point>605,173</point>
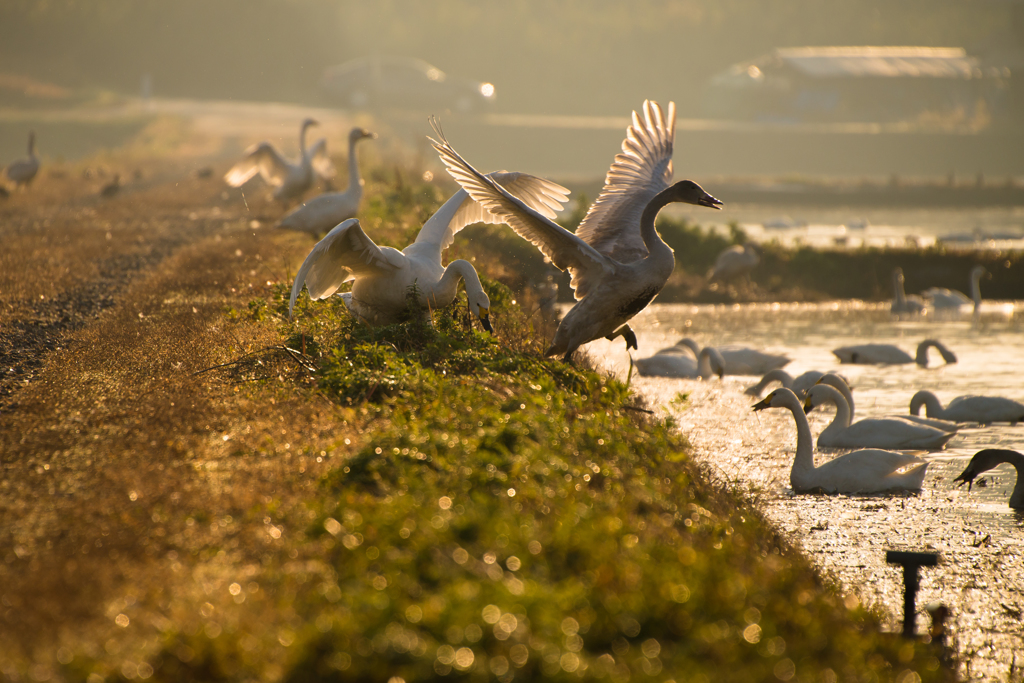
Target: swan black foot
<point>626,333</point>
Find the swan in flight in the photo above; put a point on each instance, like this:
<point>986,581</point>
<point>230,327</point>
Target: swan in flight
<point>383,276</point>
<point>23,171</point>
<point>735,261</point>
<point>989,458</point>
<point>843,387</point>
<point>888,354</point>
<point>872,432</point>
<point>321,213</point>
<point>901,303</point>
<point>950,300</point>
<point>739,360</point>
<point>864,471</point>
<point>984,409</point>
<point>708,363</point>
<point>798,385</point>
<point>290,179</point>
<point>617,260</point>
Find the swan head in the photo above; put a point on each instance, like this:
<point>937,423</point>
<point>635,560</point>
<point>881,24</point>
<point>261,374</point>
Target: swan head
<point>982,461</point>
<point>480,305</point>
<point>978,272</point>
<point>780,398</point>
<point>817,395</point>
<point>689,192</point>
<point>897,275</point>
<point>358,133</point>
<point>309,122</point>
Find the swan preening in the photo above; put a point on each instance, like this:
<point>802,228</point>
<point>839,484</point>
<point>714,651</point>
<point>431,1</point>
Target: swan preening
<point>878,432</point>
<point>739,360</point>
<point>383,276</point>
<point>735,261</point>
<point>989,458</point>
<point>291,180</point>
<point>679,364</point>
<point>984,409</point>
<point>901,303</point>
<point>889,354</point>
<point>617,260</point>
<point>863,471</point>
<point>321,213</point>
<point>798,385</point>
<point>942,299</point>
<point>843,387</point>
<point>23,171</point>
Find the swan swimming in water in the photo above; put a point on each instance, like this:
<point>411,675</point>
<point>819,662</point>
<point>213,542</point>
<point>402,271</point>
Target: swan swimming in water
<point>22,171</point>
<point>842,386</point>
<point>863,471</point>
<point>901,303</point>
<point>617,260</point>
<point>989,458</point>
<point>876,432</point>
<point>950,300</point>
<point>739,360</point>
<point>383,276</point>
<point>798,385</point>
<point>984,409</point>
<point>889,354</point>
<point>708,363</point>
<point>290,180</point>
<point>321,213</point>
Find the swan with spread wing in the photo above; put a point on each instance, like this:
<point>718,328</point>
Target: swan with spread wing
<point>290,180</point>
<point>616,258</point>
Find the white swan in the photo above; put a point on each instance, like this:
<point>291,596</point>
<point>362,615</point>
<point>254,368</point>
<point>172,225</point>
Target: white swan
<point>798,385</point>
<point>290,179</point>
<point>735,261</point>
<point>943,299</point>
<point>984,409</point>
<point>384,276</point>
<point>864,471</point>
<point>872,432</point>
<point>839,382</point>
<point>739,360</point>
<point>22,171</point>
<point>708,363</point>
<point>321,213</point>
<point>989,458</point>
<point>889,354</point>
<point>617,260</point>
<point>901,303</point>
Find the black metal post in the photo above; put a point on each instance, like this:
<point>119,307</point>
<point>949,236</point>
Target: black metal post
<point>911,562</point>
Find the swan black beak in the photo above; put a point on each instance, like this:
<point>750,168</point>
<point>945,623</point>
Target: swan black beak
<point>484,322</point>
<point>763,403</point>
<point>710,202</point>
<point>966,477</point>
<point>808,406</point>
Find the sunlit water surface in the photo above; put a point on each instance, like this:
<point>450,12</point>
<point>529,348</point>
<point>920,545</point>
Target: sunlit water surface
<point>981,540</point>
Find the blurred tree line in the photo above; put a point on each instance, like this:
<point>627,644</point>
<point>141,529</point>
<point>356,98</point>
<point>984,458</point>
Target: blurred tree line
<point>573,56</point>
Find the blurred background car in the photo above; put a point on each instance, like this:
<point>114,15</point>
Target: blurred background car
<point>391,82</point>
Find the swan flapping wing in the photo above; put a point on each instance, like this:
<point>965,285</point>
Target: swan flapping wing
<point>262,159</point>
<point>543,196</point>
<point>565,250</point>
<point>343,254</point>
<point>640,171</point>
<point>321,161</point>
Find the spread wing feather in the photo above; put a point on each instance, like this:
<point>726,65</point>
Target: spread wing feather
<point>262,159</point>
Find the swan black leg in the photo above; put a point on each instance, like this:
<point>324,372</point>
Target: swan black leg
<point>626,333</point>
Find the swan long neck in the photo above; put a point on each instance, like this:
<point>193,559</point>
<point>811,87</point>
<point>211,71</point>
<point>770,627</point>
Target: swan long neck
<point>656,246</point>
<point>32,144</point>
<point>843,415</point>
<point>302,141</point>
<point>898,291</point>
<point>803,461</point>
<point>843,388</point>
<point>976,288</point>
<point>776,375</point>
<point>446,288</point>
<point>932,407</point>
<point>1017,497</point>
<point>355,183</point>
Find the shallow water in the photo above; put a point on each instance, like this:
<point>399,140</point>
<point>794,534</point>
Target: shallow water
<point>981,540</point>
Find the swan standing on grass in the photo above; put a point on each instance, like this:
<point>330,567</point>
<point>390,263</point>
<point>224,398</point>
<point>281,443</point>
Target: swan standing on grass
<point>984,409</point>
<point>864,471</point>
<point>708,363</point>
<point>989,458</point>
<point>291,180</point>
<point>872,432</point>
<point>842,386</point>
<point>739,360</point>
<point>383,276</point>
<point>617,260</point>
<point>901,303</point>
<point>798,385</point>
<point>23,171</point>
<point>323,212</point>
<point>889,354</point>
<point>950,300</point>
<point>735,261</point>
